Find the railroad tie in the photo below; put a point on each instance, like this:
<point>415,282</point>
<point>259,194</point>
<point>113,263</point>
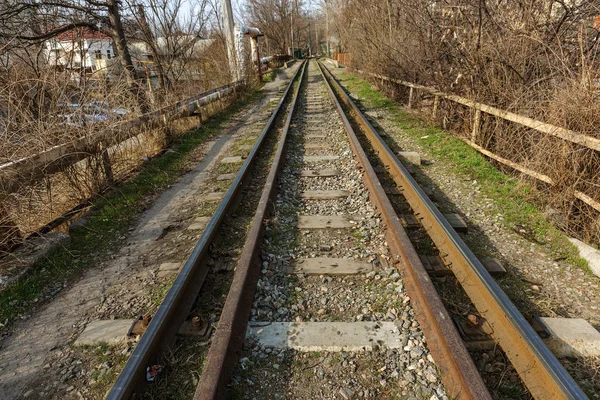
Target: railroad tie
<point>435,266</point>
<point>308,173</point>
<point>328,221</point>
<point>409,221</point>
<point>317,146</point>
<point>330,266</point>
<point>324,194</point>
<point>320,158</point>
<point>315,137</point>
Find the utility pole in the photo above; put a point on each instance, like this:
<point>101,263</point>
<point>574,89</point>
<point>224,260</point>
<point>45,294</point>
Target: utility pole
<point>317,44</point>
<point>230,38</point>
<point>309,42</point>
<point>327,28</point>
<point>292,32</point>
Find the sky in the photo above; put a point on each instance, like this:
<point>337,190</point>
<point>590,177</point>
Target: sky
<point>239,7</point>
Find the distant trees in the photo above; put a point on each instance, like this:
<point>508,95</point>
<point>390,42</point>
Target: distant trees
<point>277,19</point>
<point>497,50</point>
<point>274,19</point>
<point>170,34</point>
<point>538,58</point>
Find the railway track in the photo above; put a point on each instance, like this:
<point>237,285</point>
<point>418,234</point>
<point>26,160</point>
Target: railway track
<point>317,282</point>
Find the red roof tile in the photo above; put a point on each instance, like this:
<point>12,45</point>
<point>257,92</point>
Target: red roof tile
<point>81,33</point>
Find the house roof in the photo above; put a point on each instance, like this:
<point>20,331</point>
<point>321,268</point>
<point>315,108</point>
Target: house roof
<point>81,33</point>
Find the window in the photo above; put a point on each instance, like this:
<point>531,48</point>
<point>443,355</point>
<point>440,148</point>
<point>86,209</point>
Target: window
<point>108,54</point>
<point>98,54</point>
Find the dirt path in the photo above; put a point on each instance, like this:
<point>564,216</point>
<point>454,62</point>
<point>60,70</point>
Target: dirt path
<point>34,360</point>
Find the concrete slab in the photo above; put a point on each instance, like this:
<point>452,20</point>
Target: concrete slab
<point>252,137</point>
<point>571,337</point>
<point>588,253</point>
<point>308,173</point>
<point>315,137</point>
<point>231,160</point>
<point>411,156</point>
<point>317,146</point>
<point>328,221</point>
<point>324,194</point>
<point>107,331</point>
<point>320,158</point>
<point>168,269</point>
<point>246,147</point>
<point>326,336</point>
<point>330,266</point>
<point>215,196</point>
<point>199,223</point>
<point>226,177</point>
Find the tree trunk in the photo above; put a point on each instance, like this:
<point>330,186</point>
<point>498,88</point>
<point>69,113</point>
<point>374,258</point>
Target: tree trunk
<point>122,51</point>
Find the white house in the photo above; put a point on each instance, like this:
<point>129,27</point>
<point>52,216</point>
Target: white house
<point>82,50</point>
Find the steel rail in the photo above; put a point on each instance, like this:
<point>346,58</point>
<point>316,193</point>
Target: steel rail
<point>174,309</point>
<point>229,337</point>
<point>459,374</point>
<point>542,373</point>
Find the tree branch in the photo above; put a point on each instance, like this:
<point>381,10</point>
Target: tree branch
<point>55,32</point>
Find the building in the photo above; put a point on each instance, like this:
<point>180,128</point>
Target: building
<point>81,50</point>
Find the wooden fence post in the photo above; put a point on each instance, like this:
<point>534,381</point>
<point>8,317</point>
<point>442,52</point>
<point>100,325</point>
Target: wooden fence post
<point>436,101</point>
<point>410,97</point>
<point>476,123</point>
<point>108,172</point>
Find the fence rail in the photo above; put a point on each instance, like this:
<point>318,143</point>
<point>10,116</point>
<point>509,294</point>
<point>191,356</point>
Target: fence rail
<point>539,126</point>
<point>31,169</point>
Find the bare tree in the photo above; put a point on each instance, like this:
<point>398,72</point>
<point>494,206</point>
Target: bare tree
<point>173,39</point>
<point>44,20</point>
<point>274,19</point>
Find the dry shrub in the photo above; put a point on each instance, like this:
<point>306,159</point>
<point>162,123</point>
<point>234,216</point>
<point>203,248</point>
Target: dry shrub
<point>31,98</point>
<point>533,58</point>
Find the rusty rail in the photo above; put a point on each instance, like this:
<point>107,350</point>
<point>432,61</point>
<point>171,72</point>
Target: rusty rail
<point>542,373</point>
<point>459,374</point>
<point>229,337</point>
<point>160,334</point>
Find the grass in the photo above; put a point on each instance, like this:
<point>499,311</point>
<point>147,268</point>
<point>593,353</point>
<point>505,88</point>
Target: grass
<point>516,201</point>
<point>110,220</point>
<point>103,378</point>
<point>270,76</point>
